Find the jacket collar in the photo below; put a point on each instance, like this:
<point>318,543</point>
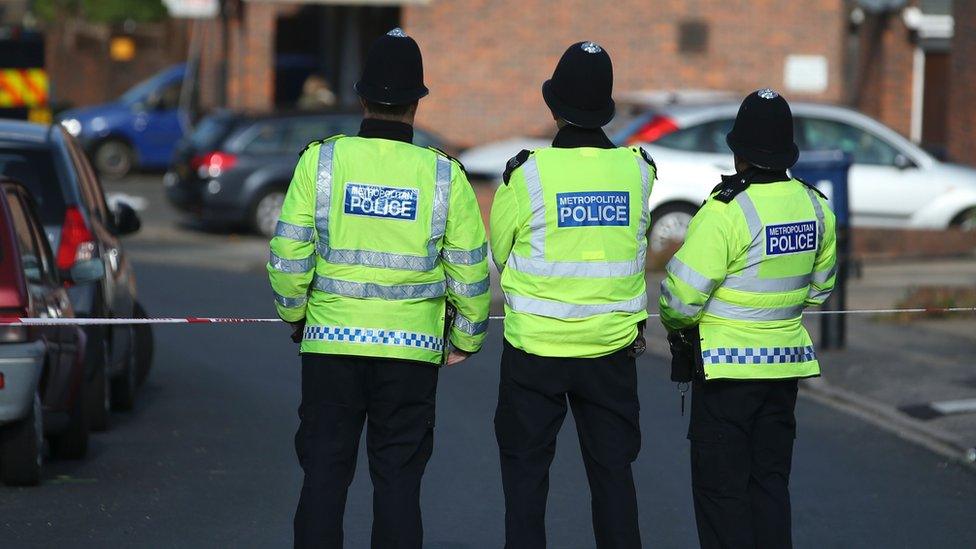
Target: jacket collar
<point>757,176</point>
<point>571,137</point>
<point>386,129</point>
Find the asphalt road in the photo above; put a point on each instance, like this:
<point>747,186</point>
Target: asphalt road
<point>206,459</point>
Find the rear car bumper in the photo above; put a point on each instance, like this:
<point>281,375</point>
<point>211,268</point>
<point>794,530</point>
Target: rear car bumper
<point>192,197</point>
<point>21,365</point>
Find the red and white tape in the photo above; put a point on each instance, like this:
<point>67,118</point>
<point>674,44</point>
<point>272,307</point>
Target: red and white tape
<point>234,320</point>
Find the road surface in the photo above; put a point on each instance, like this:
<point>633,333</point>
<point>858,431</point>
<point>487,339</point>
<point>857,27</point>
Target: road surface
<point>206,459</point>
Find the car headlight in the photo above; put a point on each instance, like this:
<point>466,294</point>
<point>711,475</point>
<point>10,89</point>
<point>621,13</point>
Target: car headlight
<point>72,125</point>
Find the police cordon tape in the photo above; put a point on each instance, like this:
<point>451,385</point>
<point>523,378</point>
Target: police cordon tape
<point>233,320</point>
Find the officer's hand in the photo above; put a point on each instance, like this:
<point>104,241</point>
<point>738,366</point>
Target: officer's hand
<point>298,330</point>
<point>456,356</point>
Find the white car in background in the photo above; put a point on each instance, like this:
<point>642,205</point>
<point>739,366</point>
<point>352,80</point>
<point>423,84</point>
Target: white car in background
<point>893,183</point>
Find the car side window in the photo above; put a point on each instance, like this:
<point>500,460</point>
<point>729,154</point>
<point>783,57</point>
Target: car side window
<point>265,138</point>
<point>31,256</point>
<point>865,147</point>
<point>43,247</point>
<point>707,137</point>
<point>91,191</point>
<point>302,131</point>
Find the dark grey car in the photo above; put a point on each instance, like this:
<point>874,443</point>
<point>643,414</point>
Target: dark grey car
<point>80,226</point>
<point>234,168</point>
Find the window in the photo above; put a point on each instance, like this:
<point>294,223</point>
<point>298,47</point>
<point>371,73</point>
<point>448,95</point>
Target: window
<point>708,137</point>
<point>692,37</point>
<point>35,168</point>
<point>819,135</point>
<point>302,131</point>
<point>91,190</point>
<point>264,138</point>
<point>30,253</point>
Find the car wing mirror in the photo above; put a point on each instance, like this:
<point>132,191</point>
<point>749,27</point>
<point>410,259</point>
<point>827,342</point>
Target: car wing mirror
<point>902,162</point>
<point>83,272</point>
<point>125,220</point>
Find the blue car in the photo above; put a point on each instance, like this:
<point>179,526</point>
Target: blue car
<point>138,130</point>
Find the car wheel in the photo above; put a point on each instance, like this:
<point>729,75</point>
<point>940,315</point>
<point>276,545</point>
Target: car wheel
<point>266,211</point>
<point>72,443</point>
<point>114,159</point>
<point>22,448</point>
<point>966,220</point>
<point>144,346</point>
<point>124,387</point>
<point>669,224</point>
<point>99,403</point>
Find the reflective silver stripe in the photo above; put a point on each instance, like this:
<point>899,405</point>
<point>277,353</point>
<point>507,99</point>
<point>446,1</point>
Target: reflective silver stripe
<point>645,219</point>
<point>723,309</point>
<point>756,246</point>
<point>537,225</point>
<point>467,290</point>
<point>442,197</point>
<point>363,290</point>
<point>379,259</point>
<point>303,265</point>
<point>556,309</point>
<point>819,295</point>
<point>821,277</point>
<point>771,285</point>
<point>818,209</point>
<point>676,304</point>
<point>470,328</point>
<point>582,269</point>
<point>323,193</point>
<point>294,232</point>
<point>290,302</point>
<point>690,276</point>
<point>465,257</point>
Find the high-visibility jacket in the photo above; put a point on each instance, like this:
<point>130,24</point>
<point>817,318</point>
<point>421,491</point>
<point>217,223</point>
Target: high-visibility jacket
<point>374,235</point>
<point>745,273</point>
<point>569,236</point>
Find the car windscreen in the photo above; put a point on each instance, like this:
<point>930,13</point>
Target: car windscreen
<point>34,167</point>
<point>210,132</point>
<point>142,90</point>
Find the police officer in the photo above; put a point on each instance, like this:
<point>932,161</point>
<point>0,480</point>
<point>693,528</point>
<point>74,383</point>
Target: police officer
<point>375,234</point>
<point>761,248</point>
<point>568,234</point>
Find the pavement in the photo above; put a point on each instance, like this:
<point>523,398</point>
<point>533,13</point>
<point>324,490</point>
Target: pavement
<point>206,458</point>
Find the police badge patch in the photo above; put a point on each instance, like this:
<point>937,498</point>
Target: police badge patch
<point>791,238</point>
<point>378,201</point>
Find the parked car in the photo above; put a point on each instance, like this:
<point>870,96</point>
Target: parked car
<point>139,129</point>
<point>81,227</point>
<point>893,182</point>
<point>234,168</point>
<point>42,370</point>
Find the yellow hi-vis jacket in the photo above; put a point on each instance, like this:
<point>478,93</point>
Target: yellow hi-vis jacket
<point>751,262</point>
<point>374,235</point>
<point>569,236</point>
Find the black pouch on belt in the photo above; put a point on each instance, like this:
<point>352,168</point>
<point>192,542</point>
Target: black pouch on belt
<point>449,313</point>
<point>685,354</point>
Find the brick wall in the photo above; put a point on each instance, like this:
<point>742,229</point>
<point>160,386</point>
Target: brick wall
<point>485,60</point>
<point>80,68</point>
<point>883,78</point>
<point>962,85</point>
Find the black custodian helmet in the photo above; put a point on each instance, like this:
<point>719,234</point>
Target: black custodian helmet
<point>763,131</point>
<point>394,71</point>
<point>581,87</point>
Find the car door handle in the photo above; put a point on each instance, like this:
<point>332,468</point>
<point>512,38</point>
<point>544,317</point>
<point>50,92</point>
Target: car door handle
<point>113,259</point>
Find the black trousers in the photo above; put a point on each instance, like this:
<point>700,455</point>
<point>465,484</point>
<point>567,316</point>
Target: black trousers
<point>532,398</point>
<point>742,436</point>
<point>339,395</point>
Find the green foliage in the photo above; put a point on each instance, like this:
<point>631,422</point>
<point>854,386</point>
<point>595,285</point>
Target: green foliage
<point>102,11</point>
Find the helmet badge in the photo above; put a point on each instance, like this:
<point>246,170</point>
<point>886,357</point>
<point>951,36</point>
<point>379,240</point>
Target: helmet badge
<point>767,93</point>
<point>591,47</point>
<point>398,32</point>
